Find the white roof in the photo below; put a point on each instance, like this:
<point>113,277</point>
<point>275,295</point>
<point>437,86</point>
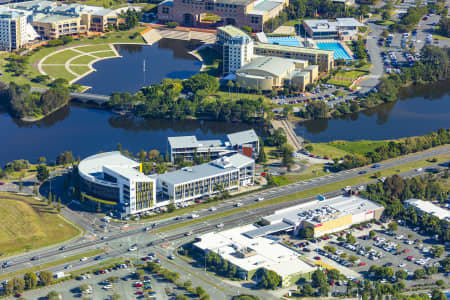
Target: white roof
<point>268,252</point>
<point>349,22</point>
<point>325,210</point>
<point>92,166</point>
<point>430,208</point>
<point>243,137</point>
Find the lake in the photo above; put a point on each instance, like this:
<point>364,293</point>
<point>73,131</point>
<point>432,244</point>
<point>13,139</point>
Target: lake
<point>166,59</point>
<point>85,131</point>
<point>419,110</point>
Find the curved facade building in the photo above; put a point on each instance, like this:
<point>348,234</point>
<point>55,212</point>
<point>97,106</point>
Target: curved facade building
<point>116,180</point>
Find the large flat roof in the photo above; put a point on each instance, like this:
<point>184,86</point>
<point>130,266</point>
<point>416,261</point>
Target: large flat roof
<point>430,208</point>
<point>219,166</point>
<point>321,211</point>
<point>266,252</point>
<point>273,65</point>
<point>188,141</point>
<point>293,49</point>
<point>233,31</point>
<point>261,7</point>
<point>242,137</point>
<point>92,166</point>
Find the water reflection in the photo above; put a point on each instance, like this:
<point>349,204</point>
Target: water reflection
<point>421,109</point>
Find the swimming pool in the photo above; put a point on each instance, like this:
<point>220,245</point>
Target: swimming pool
<point>284,40</point>
<point>339,51</point>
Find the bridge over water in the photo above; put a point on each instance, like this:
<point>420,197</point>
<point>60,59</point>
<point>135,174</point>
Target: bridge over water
<point>82,97</point>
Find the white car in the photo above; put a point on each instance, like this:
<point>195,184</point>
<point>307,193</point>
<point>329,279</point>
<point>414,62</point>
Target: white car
<point>212,208</point>
<point>238,204</point>
<point>402,265</point>
<point>132,248</point>
<point>260,199</point>
<point>83,259</point>
<point>220,225</point>
<point>419,169</point>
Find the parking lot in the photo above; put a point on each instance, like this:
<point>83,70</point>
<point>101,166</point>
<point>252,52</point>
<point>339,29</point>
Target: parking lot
<point>405,249</point>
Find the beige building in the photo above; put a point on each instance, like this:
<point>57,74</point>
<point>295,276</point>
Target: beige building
<point>323,58</point>
<point>52,20</point>
<point>268,72</point>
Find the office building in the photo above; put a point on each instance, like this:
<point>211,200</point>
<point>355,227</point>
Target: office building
<point>323,217</point>
<point>231,12</point>
<point>250,255</point>
<point>268,72</point>
<point>345,29</point>
<point>116,181</point>
<point>190,183</point>
<point>15,31</point>
<point>428,207</point>
<point>236,46</point>
<point>186,147</point>
<point>323,58</point>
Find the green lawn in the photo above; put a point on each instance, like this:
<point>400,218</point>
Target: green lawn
<point>105,54</point>
<point>325,149</point>
<point>88,49</point>
<point>60,57</point>
<point>292,22</point>
<point>82,60</point>
<point>350,74</point>
<point>384,22</point>
<point>28,224</point>
<point>58,72</point>
<point>357,147</point>
<point>80,69</point>
<point>440,37</point>
<point>345,83</point>
<point>54,263</point>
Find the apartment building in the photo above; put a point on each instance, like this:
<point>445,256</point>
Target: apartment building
<point>15,31</point>
<point>53,19</point>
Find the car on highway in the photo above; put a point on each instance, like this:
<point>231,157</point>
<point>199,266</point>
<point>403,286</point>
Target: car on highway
<point>62,248</point>
<point>188,233</point>
<point>171,257</point>
<point>132,248</point>
<point>362,172</point>
<point>212,208</point>
<point>68,267</point>
<point>220,225</point>
<point>260,199</point>
<point>238,204</point>
<point>83,258</point>
<point>35,258</point>
<point>376,166</point>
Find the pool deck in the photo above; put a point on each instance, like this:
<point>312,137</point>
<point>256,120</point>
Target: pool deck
<point>343,44</point>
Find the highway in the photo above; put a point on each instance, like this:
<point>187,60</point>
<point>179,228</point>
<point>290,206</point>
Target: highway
<point>119,240</point>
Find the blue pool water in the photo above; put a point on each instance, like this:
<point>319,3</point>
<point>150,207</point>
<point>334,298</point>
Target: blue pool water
<point>284,41</point>
<point>339,51</point>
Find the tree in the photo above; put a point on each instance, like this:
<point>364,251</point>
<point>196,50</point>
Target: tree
<point>437,251</point>
<point>419,274</point>
<point>318,278</point>
<point>333,275</point>
<point>19,284</point>
<point>324,289</point>
<point>199,291</point>
<point>140,274</point>
<point>372,234</point>
<point>437,295</point>
<point>42,173</point>
<point>306,232</point>
<point>115,296</point>
<point>306,290</point>
<point>54,295</point>
<point>30,279</point>
<point>269,279</point>
<point>393,226</point>
<point>187,284</point>
<point>353,258</point>
<point>45,277</point>
<point>9,287</point>
<point>350,238</point>
<point>401,274</point>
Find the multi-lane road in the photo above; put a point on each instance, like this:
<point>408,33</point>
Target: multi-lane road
<point>119,240</point>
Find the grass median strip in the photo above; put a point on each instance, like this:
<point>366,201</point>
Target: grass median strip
<point>312,192</point>
<point>52,263</point>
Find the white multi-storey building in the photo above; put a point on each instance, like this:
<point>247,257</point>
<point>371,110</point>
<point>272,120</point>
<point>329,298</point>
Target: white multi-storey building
<point>236,53</point>
<point>13,29</point>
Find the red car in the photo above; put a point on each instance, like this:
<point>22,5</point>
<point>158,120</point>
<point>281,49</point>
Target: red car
<point>2,183</point>
<point>139,293</point>
<point>317,258</point>
<point>410,258</point>
<point>18,295</point>
<point>405,251</point>
<point>362,264</point>
<point>331,283</point>
<point>138,285</point>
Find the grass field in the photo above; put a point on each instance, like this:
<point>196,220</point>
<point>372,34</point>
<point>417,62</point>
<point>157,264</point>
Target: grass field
<point>350,74</point>
<point>105,54</point>
<point>60,57</point>
<point>82,60</point>
<point>384,22</point>
<point>344,83</point>
<point>80,69</point>
<point>89,48</point>
<point>29,224</point>
<point>440,37</point>
<point>52,264</point>
<point>306,193</point>
<point>58,72</point>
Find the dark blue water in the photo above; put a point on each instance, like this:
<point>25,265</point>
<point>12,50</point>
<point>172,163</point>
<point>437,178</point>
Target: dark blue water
<point>419,111</point>
<point>85,131</point>
<point>166,59</point>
